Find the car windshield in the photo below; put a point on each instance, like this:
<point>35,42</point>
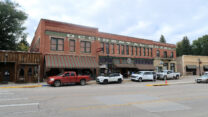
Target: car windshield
<point>165,71</point>
<point>139,72</point>
<point>60,74</point>
<point>204,76</point>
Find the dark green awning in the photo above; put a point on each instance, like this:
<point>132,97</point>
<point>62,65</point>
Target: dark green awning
<point>191,66</point>
<point>205,66</point>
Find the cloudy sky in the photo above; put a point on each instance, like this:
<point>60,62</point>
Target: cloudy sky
<point>138,18</point>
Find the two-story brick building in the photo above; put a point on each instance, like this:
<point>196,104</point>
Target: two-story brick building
<point>68,46</point>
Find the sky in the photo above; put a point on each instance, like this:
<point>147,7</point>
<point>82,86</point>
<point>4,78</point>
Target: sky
<point>146,19</point>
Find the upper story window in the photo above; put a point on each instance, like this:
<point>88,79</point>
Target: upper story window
<point>72,45</point>
<point>171,55</point>
<point>127,50</point>
<point>102,46</point>
<point>107,48</point>
<point>165,54</point>
<point>158,53</point>
<point>122,49</point>
<point>151,52</point>
<point>147,51</point>
<point>118,49</point>
<point>57,44</point>
<point>144,51</point>
<point>136,51</point>
<point>132,50</point>
<point>112,49</point>
<point>140,51</point>
<point>85,46</point>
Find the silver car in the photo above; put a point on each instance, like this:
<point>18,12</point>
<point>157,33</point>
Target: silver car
<point>203,78</point>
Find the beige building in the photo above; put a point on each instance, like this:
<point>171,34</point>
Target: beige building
<point>192,65</point>
<point>165,64</point>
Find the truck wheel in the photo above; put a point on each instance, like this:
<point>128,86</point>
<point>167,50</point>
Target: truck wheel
<point>105,82</point>
<point>119,81</point>
<point>177,77</point>
<point>57,83</point>
<point>140,79</point>
<point>83,82</point>
<point>165,77</point>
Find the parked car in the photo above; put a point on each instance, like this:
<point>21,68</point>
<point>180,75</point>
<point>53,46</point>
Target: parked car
<point>143,75</point>
<point>203,78</point>
<point>67,78</point>
<point>168,74</point>
<point>205,73</point>
<point>113,77</point>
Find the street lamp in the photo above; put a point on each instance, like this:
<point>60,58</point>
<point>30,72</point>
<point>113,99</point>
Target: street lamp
<point>199,66</point>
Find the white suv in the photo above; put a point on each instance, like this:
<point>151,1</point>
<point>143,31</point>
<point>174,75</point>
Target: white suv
<point>143,75</point>
<point>113,77</point>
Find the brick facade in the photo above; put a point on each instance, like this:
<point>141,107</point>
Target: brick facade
<point>48,29</point>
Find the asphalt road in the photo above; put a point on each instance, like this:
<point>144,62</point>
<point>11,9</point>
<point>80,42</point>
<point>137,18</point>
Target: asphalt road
<point>183,98</point>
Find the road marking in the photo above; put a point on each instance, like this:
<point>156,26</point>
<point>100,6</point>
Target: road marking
<point>16,105</point>
<point>6,93</point>
<point>13,99</point>
<point>133,103</point>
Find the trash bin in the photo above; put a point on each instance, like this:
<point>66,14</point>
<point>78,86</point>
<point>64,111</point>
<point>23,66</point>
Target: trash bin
<point>6,77</point>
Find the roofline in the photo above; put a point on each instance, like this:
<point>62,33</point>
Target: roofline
<point>81,26</point>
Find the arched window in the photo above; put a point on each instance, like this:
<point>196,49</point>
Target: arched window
<point>158,53</point>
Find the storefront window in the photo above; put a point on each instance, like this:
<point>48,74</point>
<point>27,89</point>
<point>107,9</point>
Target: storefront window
<point>172,67</point>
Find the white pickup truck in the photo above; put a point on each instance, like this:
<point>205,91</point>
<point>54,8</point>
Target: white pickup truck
<point>113,77</point>
<point>168,74</point>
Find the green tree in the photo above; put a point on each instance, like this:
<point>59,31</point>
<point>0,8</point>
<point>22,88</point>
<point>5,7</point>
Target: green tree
<point>23,45</point>
<point>200,46</point>
<point>183,47</point>
<point>162,39</point>
<point>11,24</point>
<point>186,48</point>
<point>178,49</point>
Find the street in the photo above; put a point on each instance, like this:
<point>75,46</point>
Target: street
<point>129,99</point>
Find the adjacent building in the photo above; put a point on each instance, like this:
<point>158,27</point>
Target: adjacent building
<point>22,67</point>
<point>84,49</point>
<point>192,65</point>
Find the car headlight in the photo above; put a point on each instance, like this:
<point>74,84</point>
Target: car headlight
<point>52,79</point>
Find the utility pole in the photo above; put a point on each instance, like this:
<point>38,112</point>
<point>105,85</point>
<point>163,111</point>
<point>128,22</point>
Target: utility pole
<point>199,66</point>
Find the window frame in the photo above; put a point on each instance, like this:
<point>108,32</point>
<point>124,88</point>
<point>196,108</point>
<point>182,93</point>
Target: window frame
<point>70,40</point>
<point>56,45</point>
<point>85,46</point>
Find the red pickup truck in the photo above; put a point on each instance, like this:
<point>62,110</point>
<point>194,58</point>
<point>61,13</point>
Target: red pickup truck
<point>67,78</point>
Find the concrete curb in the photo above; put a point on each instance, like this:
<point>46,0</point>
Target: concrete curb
<point>27,86</point>
<point>170,84</point>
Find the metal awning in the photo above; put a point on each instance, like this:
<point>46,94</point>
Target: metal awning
<point>66,61</point>
<point>191,66</point>
<point>145,67</point>
<point>125,66</point>
<point>205,66</point>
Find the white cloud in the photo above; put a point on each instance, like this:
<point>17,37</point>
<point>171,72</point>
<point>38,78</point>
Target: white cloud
<point>139,18</point>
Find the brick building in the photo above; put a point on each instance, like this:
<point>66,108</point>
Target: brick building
<point>68,46</point>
